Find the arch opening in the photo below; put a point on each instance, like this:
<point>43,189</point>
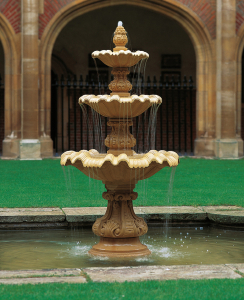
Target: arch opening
<point>205,98</point>
<point>172,56</point>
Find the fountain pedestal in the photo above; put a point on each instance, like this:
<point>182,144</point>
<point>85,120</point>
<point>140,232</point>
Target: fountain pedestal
<point>126,247</point>
<point>119,229</point>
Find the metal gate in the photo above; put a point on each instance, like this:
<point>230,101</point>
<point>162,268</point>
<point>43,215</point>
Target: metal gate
<point>73,129</point>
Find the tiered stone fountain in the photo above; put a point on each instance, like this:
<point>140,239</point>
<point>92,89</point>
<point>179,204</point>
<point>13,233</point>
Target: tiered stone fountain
<point>120,168</point>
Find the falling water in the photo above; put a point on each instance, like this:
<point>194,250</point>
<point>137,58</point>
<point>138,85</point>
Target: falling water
<point>94,126</point>
<point>67,182</point>
<point>98,80</point>
<point>169,197</point>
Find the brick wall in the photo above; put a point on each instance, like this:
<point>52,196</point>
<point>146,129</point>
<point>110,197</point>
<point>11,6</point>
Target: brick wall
<point>239,14</point>
<point>206,10</point>
<point>11,10</point>
<point>50,9</point>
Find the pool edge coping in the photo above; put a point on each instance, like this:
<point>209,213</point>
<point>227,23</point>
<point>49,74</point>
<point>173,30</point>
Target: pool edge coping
<point>68,216</point>
<point>122,274</point>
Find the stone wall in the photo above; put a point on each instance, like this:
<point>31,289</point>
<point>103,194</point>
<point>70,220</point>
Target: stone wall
<point>206,10</point>
<point>50,9</point>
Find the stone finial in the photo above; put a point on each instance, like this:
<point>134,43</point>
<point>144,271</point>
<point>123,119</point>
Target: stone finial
<point>120,38</point>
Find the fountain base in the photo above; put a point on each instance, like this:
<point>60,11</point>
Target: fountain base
<point>124,247</point>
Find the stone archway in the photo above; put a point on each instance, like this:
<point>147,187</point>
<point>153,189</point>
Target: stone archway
<point>204,68</point>
<point>12,103</point>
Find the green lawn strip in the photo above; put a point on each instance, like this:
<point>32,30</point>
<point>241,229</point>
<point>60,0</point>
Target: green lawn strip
<point>171,289</point>
<point>46,184</point>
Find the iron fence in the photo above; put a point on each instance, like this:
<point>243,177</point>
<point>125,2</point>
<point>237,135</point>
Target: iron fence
<point>74,129</point>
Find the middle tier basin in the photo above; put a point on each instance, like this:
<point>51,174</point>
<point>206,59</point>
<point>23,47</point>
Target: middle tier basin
<point>120,107</point>
<point>119,170</point>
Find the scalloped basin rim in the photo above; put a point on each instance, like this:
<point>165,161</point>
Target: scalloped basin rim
<point>117,53</point>
<point>93,158</point>
<point>120,59</point>
<point>107,98</point>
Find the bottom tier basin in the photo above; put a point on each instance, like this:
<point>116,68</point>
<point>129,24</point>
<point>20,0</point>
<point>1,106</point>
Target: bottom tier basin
<point>122,169</point>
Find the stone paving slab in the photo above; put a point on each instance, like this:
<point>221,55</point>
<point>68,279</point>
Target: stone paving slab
<point>122,274</point>
<point>173,213</point>
<point>83,214</point>
<point>34,273</point>
<point>77,279</point>
<point>160,273</point>
<point>179,213</point>
<point>16,215</point>
<point>238,267</point>
<point>225,214</point>
<point>219,214</point>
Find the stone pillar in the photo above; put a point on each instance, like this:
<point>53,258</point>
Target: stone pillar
<point>30,144</point>
<point>227,144</point>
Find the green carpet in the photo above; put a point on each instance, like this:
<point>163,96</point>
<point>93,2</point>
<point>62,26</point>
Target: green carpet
<point>145,290</point>
<point>46,184</point>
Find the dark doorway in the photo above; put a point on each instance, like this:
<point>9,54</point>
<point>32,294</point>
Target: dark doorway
<point>54,106</point>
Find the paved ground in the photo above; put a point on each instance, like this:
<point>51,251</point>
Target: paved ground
<point>122,274</point>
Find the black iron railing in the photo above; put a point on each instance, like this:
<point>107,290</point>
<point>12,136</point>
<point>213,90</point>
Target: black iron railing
<point>74,128</point>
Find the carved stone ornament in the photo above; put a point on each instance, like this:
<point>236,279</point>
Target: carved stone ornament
<point>120,220</point>
<point>120,85</point>
<point>120,39</point>
<point>116,196</point>
<point>120,138</point>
